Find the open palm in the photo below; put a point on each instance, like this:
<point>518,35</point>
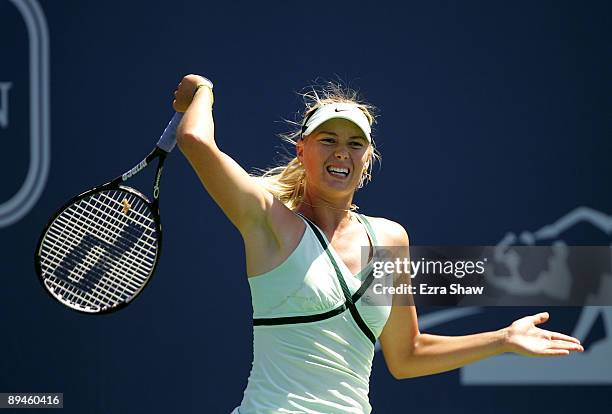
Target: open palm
<point>525,338</point>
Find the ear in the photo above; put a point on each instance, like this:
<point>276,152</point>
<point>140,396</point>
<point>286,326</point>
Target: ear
<point>299,149</point>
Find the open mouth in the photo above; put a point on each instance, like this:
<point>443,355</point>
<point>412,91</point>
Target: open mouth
<point>341,172</point>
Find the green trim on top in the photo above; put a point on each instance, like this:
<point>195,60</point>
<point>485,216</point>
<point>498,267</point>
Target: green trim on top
<point>369,228</point>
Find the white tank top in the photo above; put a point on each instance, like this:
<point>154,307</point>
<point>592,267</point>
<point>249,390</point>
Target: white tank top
<point>314,333</point>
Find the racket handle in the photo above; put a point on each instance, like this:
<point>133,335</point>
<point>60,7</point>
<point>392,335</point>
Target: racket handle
<point>168,137</point>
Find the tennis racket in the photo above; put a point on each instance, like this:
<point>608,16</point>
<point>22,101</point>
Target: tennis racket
<point>100,250</point>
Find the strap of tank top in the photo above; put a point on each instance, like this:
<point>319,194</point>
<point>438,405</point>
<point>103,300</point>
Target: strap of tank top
<point>369,228</point>
<point>343,285</point>
<point>349,301</point>
<point>370,278</point>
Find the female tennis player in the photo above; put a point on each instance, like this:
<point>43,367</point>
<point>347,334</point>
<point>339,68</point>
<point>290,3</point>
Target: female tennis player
<point>314,328</point>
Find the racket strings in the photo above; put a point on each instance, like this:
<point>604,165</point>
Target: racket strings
<point>97,253</point>
<point>106,288</point>
<point>83,259</point>
<point>101,235</point>
<point>116,228</point>
<point>79,263</point>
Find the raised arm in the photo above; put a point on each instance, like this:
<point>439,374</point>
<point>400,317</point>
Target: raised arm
<point>410,353</point>
<point>244,203</point>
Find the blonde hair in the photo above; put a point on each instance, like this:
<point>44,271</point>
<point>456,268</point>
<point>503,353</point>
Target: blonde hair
<point>287,181</point>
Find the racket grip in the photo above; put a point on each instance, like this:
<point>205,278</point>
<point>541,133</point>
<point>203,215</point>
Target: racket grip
<point>168,137</point>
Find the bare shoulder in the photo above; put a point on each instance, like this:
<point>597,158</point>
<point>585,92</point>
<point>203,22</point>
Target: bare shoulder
<point>389,232</point>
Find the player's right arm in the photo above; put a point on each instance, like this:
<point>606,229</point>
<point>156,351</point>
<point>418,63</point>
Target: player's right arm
<point>251,208</point>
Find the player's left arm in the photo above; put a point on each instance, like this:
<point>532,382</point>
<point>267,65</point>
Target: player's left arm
<point>410,353</point>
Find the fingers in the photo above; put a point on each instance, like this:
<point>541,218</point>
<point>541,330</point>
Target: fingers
<point>565,345</point>
<point>554,352</point>
<point>561,341</point>
<point>186,89</point>
<point>560,336</point>
<point>540,318</point>
<point>560,348</point>
<point>183,94</point>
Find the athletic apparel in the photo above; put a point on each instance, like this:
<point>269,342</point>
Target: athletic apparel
<point>315,326</point>
<point>342,110</point>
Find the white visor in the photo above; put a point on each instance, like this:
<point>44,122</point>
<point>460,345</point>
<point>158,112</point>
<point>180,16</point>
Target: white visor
<point>348,111</point>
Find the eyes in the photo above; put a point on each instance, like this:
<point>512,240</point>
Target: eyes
<point>353,143</point>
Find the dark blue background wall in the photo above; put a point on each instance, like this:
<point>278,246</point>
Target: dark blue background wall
<point>494,117</point>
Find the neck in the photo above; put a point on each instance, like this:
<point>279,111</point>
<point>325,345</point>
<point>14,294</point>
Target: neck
<point>327,214</point>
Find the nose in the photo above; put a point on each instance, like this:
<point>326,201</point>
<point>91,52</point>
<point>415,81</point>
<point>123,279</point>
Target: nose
<point>341,154</point>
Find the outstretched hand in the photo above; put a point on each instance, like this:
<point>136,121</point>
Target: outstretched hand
<point>525,338</point>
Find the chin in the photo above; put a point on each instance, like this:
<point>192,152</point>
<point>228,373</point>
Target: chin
<point>342,187</point>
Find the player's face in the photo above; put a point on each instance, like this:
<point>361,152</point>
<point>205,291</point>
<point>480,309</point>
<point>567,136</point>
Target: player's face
<point>335,155</point>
